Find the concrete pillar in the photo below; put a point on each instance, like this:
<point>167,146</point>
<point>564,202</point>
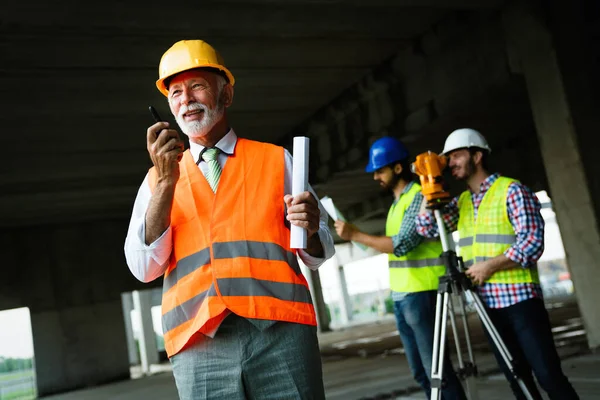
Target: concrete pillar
<point>132,351</point>
<point>319,301</point>
<point>156,299</point>
<point>345,304</point>
<point>306,272</point>
<point>79,346</point>
<point>142,301</point>
<point>562,127</point>
<point>316,292</point>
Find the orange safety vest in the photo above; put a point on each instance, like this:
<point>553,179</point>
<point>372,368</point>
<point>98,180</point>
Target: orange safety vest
<point>231,250</point>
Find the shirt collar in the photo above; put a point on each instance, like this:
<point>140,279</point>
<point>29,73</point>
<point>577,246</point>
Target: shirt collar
<point>225,145</point>
<point>408,186</point>
<point>404,191</point>
<point>487,183</point>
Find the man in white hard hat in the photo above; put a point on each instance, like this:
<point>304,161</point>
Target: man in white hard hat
<point>214,221</point>
<point>501,238</point>
<point>415,265</point>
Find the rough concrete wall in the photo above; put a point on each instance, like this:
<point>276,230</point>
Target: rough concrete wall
<point>576,36</point>
<point>575,27</point>
<point>564,126</point>
<point>71,277</point>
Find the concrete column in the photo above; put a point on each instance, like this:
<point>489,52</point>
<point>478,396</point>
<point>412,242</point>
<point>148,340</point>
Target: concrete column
<point>345,304</point>
<point>316,292</point>
<point>306,272</point>
<point>319,301</point>
<point>156,296</point>
<point>560,129</point>
<point>79,346</point>
<point>127,303</point>
<point>142,301</point>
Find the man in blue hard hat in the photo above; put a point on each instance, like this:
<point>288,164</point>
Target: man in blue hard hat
<point>414,264</point>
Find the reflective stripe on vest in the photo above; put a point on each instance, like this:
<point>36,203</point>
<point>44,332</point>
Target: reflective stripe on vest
<point>423,263</point>
<point>231,248</point>
<point>483,238</point>
<point>470,262</point>
<point>259,250</point>
<point>491,234</point>
<point>235,287</point>
<point>186,266</point>
<point>420,269</point>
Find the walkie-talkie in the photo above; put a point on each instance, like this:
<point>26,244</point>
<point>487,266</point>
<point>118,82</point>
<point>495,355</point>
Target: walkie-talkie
<point>155,115</point>
<point>157,118</point>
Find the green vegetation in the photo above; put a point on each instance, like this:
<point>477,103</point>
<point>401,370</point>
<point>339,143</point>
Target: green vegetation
<point>389,305</point>
<point>15,364</point>
<point>17,385</point>
<point>25,394</point>
<point>4,377</point>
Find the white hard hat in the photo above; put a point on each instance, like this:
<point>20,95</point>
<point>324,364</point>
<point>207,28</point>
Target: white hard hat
<point>465,138</point>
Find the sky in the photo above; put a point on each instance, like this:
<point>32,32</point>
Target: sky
<point>367,275</point>
<point>15,334</point>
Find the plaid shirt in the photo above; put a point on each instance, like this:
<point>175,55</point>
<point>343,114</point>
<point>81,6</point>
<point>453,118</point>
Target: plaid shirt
<point>526,219</point>
<point>407,238</point>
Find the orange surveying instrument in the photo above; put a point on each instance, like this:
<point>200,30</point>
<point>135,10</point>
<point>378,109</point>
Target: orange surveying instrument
<point>429,166</point>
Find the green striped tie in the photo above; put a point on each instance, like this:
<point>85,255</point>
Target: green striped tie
<point>214,169</point>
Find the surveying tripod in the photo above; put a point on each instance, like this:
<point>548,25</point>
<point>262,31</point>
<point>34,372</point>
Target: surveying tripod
<point>429,167</point>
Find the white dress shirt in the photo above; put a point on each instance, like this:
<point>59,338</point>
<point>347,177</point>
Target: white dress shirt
<point>148,262</point>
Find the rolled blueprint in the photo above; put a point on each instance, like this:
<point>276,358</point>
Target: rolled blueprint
<point>298,237</point>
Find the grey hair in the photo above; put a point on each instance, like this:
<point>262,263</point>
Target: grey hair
<point>221,82</point>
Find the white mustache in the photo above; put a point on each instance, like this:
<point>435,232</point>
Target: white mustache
<point>192,107</point>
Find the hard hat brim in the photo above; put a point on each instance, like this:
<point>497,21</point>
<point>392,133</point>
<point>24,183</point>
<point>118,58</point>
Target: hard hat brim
<point>162,87</point>
<point>446,152</point>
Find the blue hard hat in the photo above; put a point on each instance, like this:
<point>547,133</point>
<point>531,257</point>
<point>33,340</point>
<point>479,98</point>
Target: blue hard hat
<point>386,151</point>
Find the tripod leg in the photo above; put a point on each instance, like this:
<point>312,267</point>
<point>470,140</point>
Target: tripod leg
<point>469,370</point>
<point>463,310</point>
<point>459,357</point>
<point>439,345</point>
<point>498,342</point>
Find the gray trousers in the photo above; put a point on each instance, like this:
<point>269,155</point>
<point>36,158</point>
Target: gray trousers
<point>244,362</point>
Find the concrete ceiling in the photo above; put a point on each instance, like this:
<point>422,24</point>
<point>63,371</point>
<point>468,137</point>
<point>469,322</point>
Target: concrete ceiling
<point>77,79</point>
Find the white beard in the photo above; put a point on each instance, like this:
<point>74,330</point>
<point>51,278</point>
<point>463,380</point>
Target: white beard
<point>201,127</point>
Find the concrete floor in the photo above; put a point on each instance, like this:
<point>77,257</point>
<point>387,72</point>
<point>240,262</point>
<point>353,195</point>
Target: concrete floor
<point>367,363</point>
<point>355,378</point>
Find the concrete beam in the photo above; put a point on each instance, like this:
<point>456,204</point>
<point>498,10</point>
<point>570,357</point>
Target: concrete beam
<point>389,4</point>
<point>246,20</point>
<point>444,72</point>
<point>369,209</point>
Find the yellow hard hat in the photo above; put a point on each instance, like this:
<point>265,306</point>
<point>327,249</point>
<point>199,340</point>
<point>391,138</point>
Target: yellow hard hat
<point>189,54</point>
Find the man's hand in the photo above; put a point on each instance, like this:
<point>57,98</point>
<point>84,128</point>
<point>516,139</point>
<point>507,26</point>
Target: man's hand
<point>480,272</point>
<point>303,211</point>
<point>165,149</point>
<point>345,230</point>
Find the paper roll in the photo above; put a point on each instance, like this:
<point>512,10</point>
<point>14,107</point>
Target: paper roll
<point>298,236</point>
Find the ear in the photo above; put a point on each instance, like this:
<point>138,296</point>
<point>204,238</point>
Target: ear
<point>227,95</point>
<point>477,157</point>
<point>397,169</point>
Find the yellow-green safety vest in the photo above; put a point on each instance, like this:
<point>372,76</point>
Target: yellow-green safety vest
<point>420,268</point>
<point>491,234</point>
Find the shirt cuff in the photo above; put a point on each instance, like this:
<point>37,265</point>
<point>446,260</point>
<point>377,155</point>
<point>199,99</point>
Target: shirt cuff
<point>518,257</point>
<point>313,262</point>
<point>160,249</point>
<point>426,225</point>
<point>396,243</point>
